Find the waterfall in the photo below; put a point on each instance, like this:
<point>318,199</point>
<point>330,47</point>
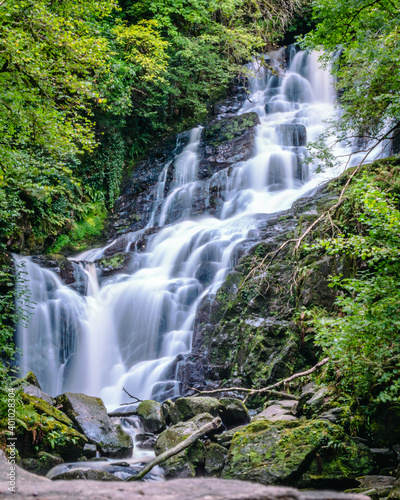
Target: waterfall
<point>132,329</point>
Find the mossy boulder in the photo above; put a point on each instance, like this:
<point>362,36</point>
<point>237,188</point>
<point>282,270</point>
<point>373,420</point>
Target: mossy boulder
<point>43,426</point>
<point>42,463</point>
<point>185,463</point>
<point>116,263</point>
<point>186,408</point>
<point>152,415</point>
<point>90,416</point>
<point>300,453</point>
<point>234,412</point>
<point>215,459</point>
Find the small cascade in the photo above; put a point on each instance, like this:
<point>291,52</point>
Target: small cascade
<point>133,329</point>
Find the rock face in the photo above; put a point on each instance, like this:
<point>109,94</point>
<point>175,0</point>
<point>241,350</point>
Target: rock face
<point>298,453</point>
<point>254,348</point>
<point>90,416</point>
<point>70,272</point>
<point>223,142</point>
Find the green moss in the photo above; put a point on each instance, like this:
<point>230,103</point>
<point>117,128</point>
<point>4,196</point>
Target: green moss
<point>292,452</point>
<point>226,130</point>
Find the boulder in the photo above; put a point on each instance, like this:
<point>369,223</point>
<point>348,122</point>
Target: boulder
<point>186,408</point>
<point>215,459</point>
<point>303,453</point>
<point>35,391</point>
<point>185,463</point>
<point>42,463</point>
<point>233,412</point>
<point>152,415</point>
<point>90,416</point>
<point>48,427</point>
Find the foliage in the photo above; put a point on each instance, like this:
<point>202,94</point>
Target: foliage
<point>362,336</point>
<point>362,36</point>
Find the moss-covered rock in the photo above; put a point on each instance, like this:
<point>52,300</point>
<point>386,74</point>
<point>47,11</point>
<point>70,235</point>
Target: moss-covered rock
<point>90,416</point>
<point>234,412</point>
<point>301,453</point>
<point>215,459</point>
<point>41,426</point>
<point>116,263</point>
<point>152,415</point>
<point>42,463</point>
<point>187,408</point>
<point>185,463</point>
<point>227,129</point>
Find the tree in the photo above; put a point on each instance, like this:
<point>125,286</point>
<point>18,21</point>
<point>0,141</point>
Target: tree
<point>361,37</point>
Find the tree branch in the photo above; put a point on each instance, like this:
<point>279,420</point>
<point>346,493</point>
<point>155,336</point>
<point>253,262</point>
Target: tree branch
<point>133,397</point>
<point>250,392</point>
<point>206,429</point>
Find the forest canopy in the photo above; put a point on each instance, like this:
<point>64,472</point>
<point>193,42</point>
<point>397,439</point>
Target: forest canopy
<point>86,87</point>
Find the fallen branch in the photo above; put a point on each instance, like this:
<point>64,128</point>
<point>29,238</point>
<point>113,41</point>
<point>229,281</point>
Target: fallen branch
<point>270,388</point>
<point>206,429</point>
<point>137,400</point>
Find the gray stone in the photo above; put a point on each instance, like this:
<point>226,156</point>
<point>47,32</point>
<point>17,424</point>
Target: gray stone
<point>90,416</point>
<point>152,415</point>
<point>90,450</point>
<point>33,390</point>
<point>215,459</point>
<point>234,412</point>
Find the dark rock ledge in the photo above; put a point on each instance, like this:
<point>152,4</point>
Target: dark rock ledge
<point>31,486</point>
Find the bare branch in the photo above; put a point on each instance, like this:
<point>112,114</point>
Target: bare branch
<point>137,400</point>
<point>206,429</point>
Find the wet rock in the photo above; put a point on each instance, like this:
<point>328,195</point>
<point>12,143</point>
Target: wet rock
<point>185,463</point>
<point>90,450</point>
<point>42,464</point>
<point>152,415</point>
<point>234,412</point>
<point>227,141</point>
<point>54,428</point>
<point>215,459</point>
<point>292,134</point>
<point>296,452</point>
<point>90,416</point>
<point>117,263</point>
<point>88,474</point>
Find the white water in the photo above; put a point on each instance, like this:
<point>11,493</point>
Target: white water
<point>130,331</point>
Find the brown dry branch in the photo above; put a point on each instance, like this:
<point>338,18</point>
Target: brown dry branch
<point>251,392</point>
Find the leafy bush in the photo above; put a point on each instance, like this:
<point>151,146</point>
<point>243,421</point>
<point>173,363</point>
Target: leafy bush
<point>362,336</point>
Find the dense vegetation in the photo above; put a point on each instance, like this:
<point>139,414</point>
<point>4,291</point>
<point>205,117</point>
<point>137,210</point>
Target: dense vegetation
<point>86,87</point>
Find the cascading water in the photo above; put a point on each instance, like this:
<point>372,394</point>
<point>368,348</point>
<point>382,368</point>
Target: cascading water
<point>132,330</point>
